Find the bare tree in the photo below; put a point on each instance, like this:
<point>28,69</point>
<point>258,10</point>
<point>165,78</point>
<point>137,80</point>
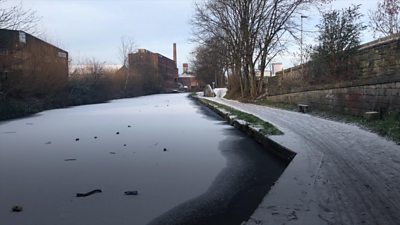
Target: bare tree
<point>15,17</point>
<point>251,30</point>
<point>209,63</point>
<point>127,46</point>
<point>385,20</point>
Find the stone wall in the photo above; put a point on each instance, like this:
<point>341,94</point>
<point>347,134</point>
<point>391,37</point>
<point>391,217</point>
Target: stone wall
<point>350,100</point>
<point>375,87</point>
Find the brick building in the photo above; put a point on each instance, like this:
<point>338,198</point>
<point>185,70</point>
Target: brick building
<point>162,70</point>
<point>187,80</point>
<point>30,66</point>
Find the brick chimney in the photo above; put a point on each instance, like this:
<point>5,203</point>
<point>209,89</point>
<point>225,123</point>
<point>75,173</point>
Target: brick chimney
<point>175,54</point>
<point>185,68</point>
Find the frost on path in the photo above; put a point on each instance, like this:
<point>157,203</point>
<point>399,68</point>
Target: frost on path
<point>341,174</point>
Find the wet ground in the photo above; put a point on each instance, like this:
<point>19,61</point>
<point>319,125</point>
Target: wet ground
<point>188,166</point>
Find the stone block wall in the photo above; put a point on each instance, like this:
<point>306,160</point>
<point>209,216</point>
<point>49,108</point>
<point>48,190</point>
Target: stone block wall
<point>349,100</point>
<point>376,87</point>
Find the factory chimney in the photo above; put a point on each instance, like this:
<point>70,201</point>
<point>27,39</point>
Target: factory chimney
<point>185,68</point>
<point>175,54</point>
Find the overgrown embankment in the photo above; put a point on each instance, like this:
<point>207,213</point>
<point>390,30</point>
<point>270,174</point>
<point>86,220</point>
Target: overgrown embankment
<point>80,90</point>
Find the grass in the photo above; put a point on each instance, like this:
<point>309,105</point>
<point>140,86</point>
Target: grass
<point>266,128</point>
<point>388,126</point>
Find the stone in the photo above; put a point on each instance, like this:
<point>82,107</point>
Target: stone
<point>303,108</point>
<point>372,115</point>
<point>17,208</point>
<point>208,91</point>
<point>131,192</point>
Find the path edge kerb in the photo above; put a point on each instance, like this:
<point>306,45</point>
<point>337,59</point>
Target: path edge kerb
<point>268,144</point>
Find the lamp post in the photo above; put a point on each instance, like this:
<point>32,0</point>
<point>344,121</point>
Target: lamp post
<point>301,38</point>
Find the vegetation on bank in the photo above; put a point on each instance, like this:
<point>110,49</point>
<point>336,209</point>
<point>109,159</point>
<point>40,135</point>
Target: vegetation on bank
<point>89,85</point>
<point>388,126</point>
<point>265,127</point>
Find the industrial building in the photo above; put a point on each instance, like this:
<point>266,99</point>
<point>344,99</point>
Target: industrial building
<point>187,80</point>
<point>30,66</point>
<point>162,69</point>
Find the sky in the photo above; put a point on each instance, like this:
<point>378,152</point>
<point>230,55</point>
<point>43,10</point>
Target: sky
<point>94,28</point>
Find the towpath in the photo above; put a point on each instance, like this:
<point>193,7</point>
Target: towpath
<point>341,174</point>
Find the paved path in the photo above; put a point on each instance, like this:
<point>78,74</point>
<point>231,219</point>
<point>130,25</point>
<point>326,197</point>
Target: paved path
<point>341,174</point>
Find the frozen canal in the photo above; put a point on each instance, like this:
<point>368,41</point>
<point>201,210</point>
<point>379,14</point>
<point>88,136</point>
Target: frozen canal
<point>209,174</point>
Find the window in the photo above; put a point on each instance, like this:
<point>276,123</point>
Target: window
<point>22,37</point>
<point>62,54</point>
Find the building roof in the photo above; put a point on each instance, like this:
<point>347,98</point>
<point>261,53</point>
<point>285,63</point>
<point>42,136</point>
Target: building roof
<point>143,50</point>
<point>15,31</point>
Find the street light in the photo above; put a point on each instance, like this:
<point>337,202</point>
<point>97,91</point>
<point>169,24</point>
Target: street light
<point>301,39</point>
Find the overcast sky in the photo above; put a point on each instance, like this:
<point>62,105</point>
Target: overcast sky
<point>93,28</point>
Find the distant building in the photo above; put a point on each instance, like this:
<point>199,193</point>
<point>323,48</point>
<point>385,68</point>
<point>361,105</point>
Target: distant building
<point>185,68</point>
<point>276,67</point>
<point>148,64</point>
<point>187,80</point>
<point>29,65</point>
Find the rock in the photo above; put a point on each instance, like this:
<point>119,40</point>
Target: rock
<point>208,91</point>
<point>165,150</point>
<point>76,139</point>
<point>17,208</point>
<point>117,133</point>
<point>95,137</point>
<point>131,192</point>
<point>371,115</point>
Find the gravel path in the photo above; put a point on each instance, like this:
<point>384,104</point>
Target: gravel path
<point>341,174</point>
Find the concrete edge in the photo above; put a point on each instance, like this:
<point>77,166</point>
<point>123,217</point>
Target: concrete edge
<point>270,145</point>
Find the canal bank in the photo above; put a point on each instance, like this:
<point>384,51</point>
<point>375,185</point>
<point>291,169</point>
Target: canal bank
<point>341,174</point>
<point>252,130</point>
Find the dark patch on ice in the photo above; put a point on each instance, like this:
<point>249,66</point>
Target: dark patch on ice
<point>67,160</point>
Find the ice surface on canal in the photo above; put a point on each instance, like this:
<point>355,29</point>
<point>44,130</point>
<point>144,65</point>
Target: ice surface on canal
<point>38,170</point>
